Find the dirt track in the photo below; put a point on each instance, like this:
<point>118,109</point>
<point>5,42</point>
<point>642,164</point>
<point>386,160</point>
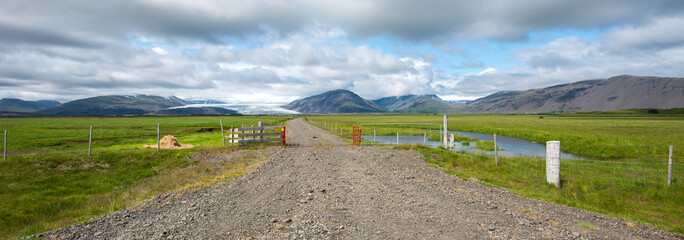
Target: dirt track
<point>333,191</point>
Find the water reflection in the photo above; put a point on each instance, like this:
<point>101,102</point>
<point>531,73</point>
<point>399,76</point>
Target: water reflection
<point>511,146</point>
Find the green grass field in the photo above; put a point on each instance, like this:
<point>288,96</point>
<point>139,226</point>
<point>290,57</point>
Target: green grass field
<point>655,204</point>
<point>36,135</point>
<point>49,181</point>
<point>624,172</point>
<point>595,137</point>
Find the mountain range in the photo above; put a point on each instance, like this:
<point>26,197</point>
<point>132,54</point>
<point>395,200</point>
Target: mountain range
<point>344,101</point>
<point>111,105</point>
<point>416,104</point>
<point>13,105</point>
<point>337,101</point>
<point>615,93</point>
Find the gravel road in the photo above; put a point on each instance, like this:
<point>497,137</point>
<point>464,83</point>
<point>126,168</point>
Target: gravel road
<point>325,189</point>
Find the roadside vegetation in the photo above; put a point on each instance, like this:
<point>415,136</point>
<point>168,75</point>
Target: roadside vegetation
<point>623,173</point>
<point>49,181</point>
<point>655,204</point>
<point>38,135</point>
<point>587,136</point>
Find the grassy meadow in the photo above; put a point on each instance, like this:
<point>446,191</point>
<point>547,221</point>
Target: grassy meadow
<point>36,135</point>
<point>590,136</point>
<point>655,204</point>
<point>624,172</point>
<point>49,181</point>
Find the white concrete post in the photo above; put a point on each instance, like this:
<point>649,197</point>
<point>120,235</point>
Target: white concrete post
<point>397,138</point>
<point>425,139</point>
<point>496,152</point>
<point>445,129</point>
<point>553,162</point>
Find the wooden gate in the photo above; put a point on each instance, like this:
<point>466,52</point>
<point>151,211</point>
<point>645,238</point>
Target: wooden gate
<point>271,135</point>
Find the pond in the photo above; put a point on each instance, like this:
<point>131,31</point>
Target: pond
<point>511,146</point>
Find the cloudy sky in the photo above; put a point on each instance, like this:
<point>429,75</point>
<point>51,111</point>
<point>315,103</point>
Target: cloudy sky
<point>278,51</point>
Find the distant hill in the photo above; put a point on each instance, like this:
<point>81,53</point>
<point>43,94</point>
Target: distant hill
<point>13,105</point>
<point>401,102</point>
<point>113,105</point>
<point>337,101</point>
<point>415,104</point>
<point>616,93</point>
<point>193,111</point>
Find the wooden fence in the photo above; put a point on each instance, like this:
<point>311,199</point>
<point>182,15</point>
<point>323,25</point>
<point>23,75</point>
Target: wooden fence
<point>272,135</point>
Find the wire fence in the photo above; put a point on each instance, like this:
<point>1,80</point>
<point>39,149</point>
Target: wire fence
<point>66,136</point>
<point>591,168</point>
<point>23,141</point>
<point>626,173</point>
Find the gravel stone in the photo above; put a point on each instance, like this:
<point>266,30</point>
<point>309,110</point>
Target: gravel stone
<point>370,193</point>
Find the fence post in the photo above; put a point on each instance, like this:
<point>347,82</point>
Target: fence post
<point>4,154</point>
<point>223,136</point>
<point>158,137</point>
<point>261,131</point>
<point>353,132</point>
<point>397,138</point>
<point>360,135</point>
<point>232,135</point>
<point>444,139</point>
<point>496,152</point>
<point>373,135</point>
<point>425,139</point>
<point>553,162</point>
<point>669,167</point>
<point>451,141</point>
<point>90,141</point>
<point>282,137</point>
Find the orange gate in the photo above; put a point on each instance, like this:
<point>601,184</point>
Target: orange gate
<point>356,136</point>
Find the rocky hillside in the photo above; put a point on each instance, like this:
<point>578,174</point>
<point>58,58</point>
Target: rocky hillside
<point>415,104</point>
<point>13,105</point>
<point>402,102</point>
<point>113,105</point>
<point>337,101</point>
<point>616,93</point>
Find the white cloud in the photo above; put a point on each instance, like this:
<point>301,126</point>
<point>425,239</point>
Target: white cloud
<point>660,33</point>
<point>247,50</point>
<point>572,59</point>
<point>159,50</point>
